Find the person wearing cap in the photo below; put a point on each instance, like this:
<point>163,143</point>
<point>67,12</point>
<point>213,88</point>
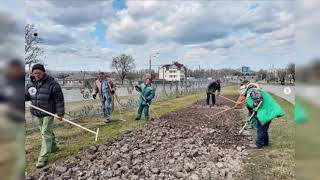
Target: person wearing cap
<point>265,109</point>
<point>213,89</point>
<point>105,88</point>
<point>44,92</point>
<point>147,93</point>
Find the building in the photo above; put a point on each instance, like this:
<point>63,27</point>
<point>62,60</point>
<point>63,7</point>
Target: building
<point>172,72</point>
<point>78,80</point>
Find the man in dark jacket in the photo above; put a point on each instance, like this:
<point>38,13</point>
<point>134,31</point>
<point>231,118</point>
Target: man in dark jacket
<point>11,93</point>
<point>213,89</point>
<point>44,92</point>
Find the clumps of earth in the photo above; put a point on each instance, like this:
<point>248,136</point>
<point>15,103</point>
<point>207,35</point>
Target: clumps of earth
<point>190,144</point>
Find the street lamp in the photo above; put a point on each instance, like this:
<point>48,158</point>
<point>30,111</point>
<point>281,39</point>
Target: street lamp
<point>152,55</point>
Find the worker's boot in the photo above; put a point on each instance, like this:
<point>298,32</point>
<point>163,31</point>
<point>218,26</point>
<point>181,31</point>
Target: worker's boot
<point>41,164</point>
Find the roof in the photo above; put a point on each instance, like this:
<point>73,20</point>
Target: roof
<point>177,64</point>
<point>80,77</point>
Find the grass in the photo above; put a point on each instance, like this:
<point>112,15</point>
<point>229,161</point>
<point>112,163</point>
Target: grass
<point>277,161</point>
<point>308,143</point>
<point>73,140</point>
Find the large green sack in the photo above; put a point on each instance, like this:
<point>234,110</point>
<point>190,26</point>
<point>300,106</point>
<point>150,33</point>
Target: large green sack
<point>268,110</point>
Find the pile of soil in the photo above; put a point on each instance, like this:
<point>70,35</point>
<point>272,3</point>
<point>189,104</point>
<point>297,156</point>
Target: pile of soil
<point>190,143</point>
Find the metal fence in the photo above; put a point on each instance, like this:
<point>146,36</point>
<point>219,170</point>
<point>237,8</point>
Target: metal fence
<point>79,102</point>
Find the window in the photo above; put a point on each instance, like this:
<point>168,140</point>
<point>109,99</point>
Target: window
<point>172,76</point>
<point>172,71</point>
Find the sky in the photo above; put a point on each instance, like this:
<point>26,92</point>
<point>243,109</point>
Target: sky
<point>86,35</point>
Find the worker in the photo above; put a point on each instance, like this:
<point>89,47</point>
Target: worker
<point>105,88</point>
<point>44,92</point>
<point>213,89</point>
<point>147,93</point>
<point>265,108</point>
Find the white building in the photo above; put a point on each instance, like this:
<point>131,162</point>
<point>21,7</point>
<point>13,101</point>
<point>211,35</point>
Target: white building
<point>172,72</point>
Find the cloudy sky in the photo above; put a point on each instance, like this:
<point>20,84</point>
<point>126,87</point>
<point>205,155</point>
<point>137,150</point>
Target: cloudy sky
<point>86,35</point>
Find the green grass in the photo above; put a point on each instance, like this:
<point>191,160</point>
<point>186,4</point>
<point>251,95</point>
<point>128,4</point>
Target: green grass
<point>277,161</point>
<point>73,140</point>
<point>308,143</point>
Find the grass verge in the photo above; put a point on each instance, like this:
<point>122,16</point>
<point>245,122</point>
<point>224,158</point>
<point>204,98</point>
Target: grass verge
<point>278,160</point>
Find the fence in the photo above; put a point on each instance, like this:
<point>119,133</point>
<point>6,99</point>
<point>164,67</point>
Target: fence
<point>83,106</point>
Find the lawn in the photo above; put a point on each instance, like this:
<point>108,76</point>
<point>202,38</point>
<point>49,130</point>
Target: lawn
<point>73,140</point>
<point>278,160</point>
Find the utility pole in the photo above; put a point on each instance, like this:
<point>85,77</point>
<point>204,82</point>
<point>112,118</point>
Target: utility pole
<point>150,65</point>
<point>152,55</point>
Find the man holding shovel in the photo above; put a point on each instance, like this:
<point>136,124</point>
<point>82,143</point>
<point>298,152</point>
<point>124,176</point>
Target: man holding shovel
<point>147,93</point>
<point>44,92</point>
<point>105,89</point>
<point>262,110</point>
<point>213,89</point>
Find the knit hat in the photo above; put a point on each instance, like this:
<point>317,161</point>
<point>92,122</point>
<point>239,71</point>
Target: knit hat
<point>39,67</point>
<point>244,82</point>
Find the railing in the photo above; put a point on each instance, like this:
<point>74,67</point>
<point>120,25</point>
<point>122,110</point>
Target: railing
<point>84,106</point>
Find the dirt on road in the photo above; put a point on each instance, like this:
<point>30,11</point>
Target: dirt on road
<point>186,144</point>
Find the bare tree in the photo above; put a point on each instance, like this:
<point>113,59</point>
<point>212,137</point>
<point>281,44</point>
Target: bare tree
<point>63,76</point>
<point>123,64</point>
<point>291,71</point>
<point>281,73</point>
<point>33,52</point>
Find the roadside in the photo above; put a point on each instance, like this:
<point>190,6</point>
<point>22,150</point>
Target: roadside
<point>278,160</point>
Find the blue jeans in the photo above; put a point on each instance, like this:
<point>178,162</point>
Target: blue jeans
<point>262,134</point>
<point>106,107</point>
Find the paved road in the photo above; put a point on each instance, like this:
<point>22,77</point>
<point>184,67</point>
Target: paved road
<point>279,91</point>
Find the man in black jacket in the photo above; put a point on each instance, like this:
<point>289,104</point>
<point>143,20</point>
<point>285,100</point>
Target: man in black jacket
<point>44,92</point>
<point>214,88</point>
<point>11,93</point>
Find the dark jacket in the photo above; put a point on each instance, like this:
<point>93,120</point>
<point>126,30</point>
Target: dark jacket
<point>48,96</point>
<point>213,87</point>
<point>11,92</point>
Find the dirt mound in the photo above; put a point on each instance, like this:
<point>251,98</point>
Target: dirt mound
<point>182,145</point>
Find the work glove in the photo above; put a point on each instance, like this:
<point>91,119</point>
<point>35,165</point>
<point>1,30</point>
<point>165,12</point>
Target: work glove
<point>217,93</point>
<point>60,117</point>
<point>253,121</point>
<point>112,91</point>
<point>94,96</point>
<point>137,88</point>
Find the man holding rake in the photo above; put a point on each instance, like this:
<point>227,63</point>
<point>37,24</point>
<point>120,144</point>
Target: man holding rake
<point>147,93</point>
<point>214,88</point>
<point>44,92</point>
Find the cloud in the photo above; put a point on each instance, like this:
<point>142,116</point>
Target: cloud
<point>190,31</point>
<point>54,34</point>
<point>195,22</point>
<point>70,13</point>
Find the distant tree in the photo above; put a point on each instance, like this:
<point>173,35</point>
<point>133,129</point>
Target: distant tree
<point>123,64</point>
<point>281,73</point>
<point>291,70</point>
<point>33,52</point>
<point>63,76</point>
<point>261,74</point>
